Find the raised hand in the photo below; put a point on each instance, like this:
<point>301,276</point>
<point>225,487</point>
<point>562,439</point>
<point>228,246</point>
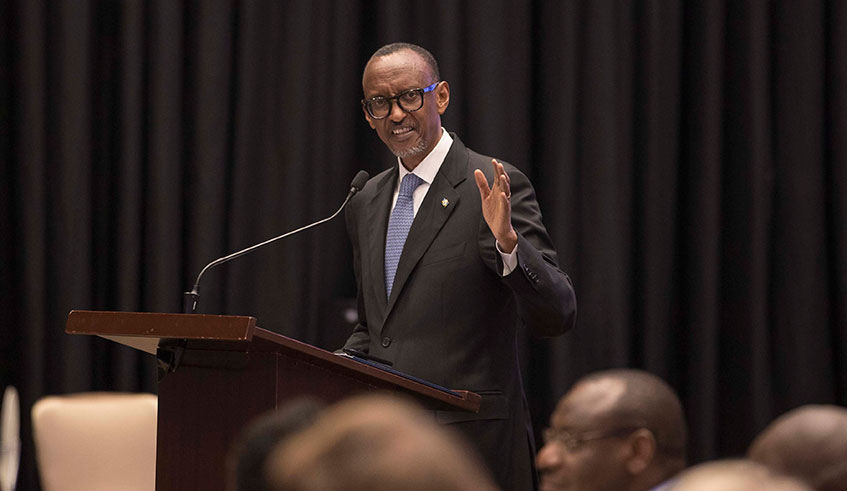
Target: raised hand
<point>497,206</point>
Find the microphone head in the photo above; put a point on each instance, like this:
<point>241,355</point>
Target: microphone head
<point>359,181</point>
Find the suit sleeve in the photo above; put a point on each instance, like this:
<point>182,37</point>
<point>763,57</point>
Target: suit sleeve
<point>360,339</point>
<point>544,293</point>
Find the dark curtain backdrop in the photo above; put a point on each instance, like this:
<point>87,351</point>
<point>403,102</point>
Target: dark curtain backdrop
<point>690,159</point>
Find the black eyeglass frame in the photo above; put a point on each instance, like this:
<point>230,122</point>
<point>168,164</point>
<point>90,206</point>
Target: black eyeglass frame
<point>420,91</point>
<point>573,441</point>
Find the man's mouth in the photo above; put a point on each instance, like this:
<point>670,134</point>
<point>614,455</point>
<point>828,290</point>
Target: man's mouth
<point>401,131</point>
<point>548,484</point>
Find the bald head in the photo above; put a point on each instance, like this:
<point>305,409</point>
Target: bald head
<point>376,443</point>
<point>735,475</point>
<point>628,397</point>
<point>810,443</point>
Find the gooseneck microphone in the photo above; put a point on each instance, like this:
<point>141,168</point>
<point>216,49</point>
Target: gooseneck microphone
<point>190,298</point>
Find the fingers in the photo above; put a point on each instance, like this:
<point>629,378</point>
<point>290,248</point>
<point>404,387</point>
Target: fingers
<point>481,183</point>
<point>501,179</point>
<point>497,170</point>
<point>501,184</point>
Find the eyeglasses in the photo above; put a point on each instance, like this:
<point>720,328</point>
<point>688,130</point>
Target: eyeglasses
<point>410,100</point>
<point>573,441</point>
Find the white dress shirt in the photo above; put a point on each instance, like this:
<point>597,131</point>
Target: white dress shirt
<point>427,170</point>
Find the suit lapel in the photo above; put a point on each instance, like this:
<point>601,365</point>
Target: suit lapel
<point>377,214</point>
<point>430,218</point>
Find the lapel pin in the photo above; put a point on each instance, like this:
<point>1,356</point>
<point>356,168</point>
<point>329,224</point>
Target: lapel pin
<point>445,202</point>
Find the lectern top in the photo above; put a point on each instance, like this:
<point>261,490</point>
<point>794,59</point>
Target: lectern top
<point>155,324</point>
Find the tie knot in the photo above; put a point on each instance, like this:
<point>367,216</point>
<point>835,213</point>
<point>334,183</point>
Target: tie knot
<point>409,183</point>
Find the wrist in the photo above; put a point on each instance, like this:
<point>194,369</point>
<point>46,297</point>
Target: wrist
<point>509,242</point>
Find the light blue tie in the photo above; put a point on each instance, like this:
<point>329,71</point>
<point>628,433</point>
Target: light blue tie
<point>398,227</point>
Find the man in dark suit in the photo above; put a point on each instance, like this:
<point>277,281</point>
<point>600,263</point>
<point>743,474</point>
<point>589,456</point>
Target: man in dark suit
<point>449,267</point>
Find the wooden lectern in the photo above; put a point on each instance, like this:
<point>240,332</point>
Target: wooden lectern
<point>218,372</point>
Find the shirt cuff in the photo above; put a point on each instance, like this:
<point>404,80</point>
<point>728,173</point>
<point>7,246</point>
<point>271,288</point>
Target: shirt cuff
<point>510,260</point>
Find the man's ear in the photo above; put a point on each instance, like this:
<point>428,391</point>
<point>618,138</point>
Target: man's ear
<point>442,96</point>
<point>642,449</point>
<point>369,119</point>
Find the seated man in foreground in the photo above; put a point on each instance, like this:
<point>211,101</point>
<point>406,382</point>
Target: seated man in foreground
<point>809,443</point>
<point>376,443</point>
<point>735,475</point>
<point>616,429</point>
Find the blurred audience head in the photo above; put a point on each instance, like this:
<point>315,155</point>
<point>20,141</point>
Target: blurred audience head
<point>376,443</point>
<point>735,475</point>
<point>247,458</point>
<point>615,429</point>
<point>809,443</point>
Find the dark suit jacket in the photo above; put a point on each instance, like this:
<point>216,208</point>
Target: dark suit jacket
<point>452,317</point>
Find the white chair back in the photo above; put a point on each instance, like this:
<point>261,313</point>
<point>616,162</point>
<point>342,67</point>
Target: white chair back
<point>96,441</point>
<point>10,439</point>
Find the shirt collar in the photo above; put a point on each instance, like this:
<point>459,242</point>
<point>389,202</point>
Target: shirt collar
<point>429,166</point>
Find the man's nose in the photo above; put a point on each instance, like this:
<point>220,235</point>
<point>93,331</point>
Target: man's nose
<point>548,457</point>
<point>397,114</point>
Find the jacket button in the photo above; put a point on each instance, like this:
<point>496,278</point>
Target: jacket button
<point>386,342</point>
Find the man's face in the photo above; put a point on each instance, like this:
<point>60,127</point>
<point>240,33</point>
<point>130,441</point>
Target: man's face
<point>591,465</point>
<point>409,135</point>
